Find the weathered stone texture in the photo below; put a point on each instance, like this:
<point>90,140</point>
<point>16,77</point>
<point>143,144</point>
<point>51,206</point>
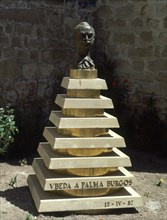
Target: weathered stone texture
<point>9,69</point>
<point>120,38</point>
<point>4,41</point>
<point>141,52</point>
<point>46,70</point>
<point>104,11</point>
<point>23,15</point>
<point>138,64</point>
<point>30,71</point>
<point>157,65</point>
<point>138,35</point>
<point>147,36</point>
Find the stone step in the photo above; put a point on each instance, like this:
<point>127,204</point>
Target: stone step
<point>55,161</point>
<point>84,84</point>
<point>83,103</point>
<point>51,181</point>
<point>58,141</point>
<point>51,202</point>
<point>83,74</point>
<point>62,121</point>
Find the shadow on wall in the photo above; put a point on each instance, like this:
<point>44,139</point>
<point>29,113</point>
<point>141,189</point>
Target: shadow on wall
<point>31,120</point>
<point>142,128</point>
<point>145,130</point>
<point>30,123</point>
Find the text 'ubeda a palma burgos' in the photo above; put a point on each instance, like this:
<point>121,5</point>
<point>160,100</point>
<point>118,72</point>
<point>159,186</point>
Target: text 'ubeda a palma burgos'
<point>91,184</point>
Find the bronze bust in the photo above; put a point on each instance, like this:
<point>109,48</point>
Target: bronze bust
<point>84,36</point>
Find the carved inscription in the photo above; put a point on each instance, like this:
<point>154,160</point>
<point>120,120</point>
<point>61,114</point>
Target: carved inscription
<point>119,203</point>
<point>90,184</point>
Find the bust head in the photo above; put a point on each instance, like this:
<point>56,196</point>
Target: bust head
<point>84,36</point>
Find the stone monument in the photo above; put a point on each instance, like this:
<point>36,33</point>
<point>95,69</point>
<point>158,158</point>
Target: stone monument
<point>80,166</point>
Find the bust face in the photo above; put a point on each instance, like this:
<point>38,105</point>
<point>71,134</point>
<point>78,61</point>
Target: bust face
<point>84,38</point>
<point>84,35</point>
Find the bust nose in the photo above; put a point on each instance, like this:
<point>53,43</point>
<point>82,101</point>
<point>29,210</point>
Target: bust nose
<point>86,37</point>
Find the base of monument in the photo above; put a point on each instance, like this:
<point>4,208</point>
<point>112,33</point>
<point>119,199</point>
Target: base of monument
<point>51,202</point>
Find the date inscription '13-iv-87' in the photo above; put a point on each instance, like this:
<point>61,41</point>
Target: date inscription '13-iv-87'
<point>119,203</point>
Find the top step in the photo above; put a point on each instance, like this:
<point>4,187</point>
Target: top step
<point>83,74</point>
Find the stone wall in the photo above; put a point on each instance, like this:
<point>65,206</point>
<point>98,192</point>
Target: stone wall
<point>37,50</point>
<point>134,34</point>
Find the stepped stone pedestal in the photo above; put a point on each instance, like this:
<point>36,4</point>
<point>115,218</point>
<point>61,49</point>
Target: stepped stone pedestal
<point>80,166</point>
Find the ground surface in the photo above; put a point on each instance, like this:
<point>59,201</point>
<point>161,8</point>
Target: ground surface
<point>16,202</point>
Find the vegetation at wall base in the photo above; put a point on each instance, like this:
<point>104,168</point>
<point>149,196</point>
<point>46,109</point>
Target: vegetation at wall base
<point>8,129</point>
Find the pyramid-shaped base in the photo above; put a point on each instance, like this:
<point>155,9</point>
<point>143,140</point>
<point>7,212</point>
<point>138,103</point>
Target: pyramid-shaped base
<point>51,202</point>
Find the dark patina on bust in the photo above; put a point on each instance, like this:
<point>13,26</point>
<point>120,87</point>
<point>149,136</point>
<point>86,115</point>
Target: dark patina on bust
<point>84,36</point>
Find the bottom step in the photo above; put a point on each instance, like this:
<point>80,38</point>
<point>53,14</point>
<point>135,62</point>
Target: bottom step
<point>51,202</point>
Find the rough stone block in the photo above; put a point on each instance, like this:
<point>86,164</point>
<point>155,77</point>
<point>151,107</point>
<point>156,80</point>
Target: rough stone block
<point>138,64</point>
<point>84,4</point>
<point>21,89</point>
<point>8,28</point>
<point>114,23</point>
<point>152,88</point>
<point>147,36</point>
<point>30,71</point>
<point>141,52</point>
<point>124,65</point>
<point>165,22</point>
<point>148,10</point>
<point>34,55</point>
<point>103,11</point>
<point>164,52</point>
<point>46,55</point>
<point>162,76</point>
<point>125,11</point>
<point>165,94</point>
<point>58,54</point>
<point>4,41</point>
<point>124,38</point>
<point>23,15</point>
<point>157,65</point>
<point>1,29</point>
<point>163,37</point>
<point>46,69</point>
<point>9,69</point>
<point>31,90</point>
<point>11,96</point>
<point>9,53</point>
<point>103,35</point>
<point>153,23</point>
<point>41,87</point>
<point>38,43</point>
<point>156,51</point>
<point>162,10</point>
<point>137,22</point>
<point>23,55</point>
